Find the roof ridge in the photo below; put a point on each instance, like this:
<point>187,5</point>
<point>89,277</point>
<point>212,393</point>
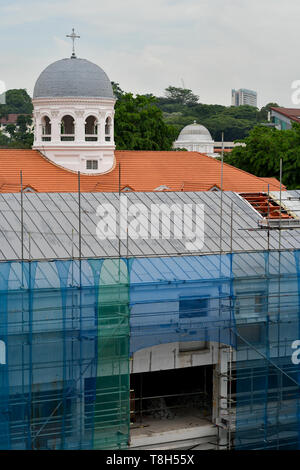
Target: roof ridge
<point>239,169</point>
<point>161,151</point>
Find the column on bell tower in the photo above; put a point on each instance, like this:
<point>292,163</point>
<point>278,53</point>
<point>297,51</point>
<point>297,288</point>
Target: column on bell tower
<point>79,126</point>
<point>37,126</point>
<point>101,127</point>
<point>55,126</point>
<point>112,132</point>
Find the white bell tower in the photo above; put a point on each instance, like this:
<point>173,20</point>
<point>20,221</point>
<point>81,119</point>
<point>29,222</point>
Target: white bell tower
<point>74,115</point>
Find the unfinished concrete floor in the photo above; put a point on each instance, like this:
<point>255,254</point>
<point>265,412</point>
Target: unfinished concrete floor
<point>182,432</point>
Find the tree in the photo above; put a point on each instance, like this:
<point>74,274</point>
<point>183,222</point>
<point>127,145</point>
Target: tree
<point>263,113</point>
<point>235,121</point>
<point>4,140</point>
<point>20,135</point>
<point>182,96</point>
<point>265,147</point>
<point>23,135</point>
<point>118,92</point>
<point>23,122</point>
<point>11,129</point>
<point>17,102</point>
<point>139,124</point>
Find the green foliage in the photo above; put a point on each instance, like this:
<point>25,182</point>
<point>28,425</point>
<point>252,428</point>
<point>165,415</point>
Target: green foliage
<point>139,124</point>
<point>20,136</point>
<point>118,92</point>
<point>4,140</point>
<point>23,122</point>
<point>181,107</point>
<point>183,96</point>
<point>11,129</point>
<point>17,102</point>
<point>263,113</point>
<point>226,120</point>
<point>265,147</point>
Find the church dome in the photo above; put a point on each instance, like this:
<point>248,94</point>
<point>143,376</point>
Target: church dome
<point>194,133</point>
<point>68,78</point>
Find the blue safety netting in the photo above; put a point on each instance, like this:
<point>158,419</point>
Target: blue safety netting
<point>65,349</point>
<point>267,313</point>
<point>181,299</point>
<point>64,379</point>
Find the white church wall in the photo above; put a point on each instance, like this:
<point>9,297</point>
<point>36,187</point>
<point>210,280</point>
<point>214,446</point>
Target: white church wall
<point>73,154</point>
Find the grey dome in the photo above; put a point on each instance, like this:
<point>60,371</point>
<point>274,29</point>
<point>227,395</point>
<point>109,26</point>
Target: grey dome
<point>194,133</point>
<point>74,77</point>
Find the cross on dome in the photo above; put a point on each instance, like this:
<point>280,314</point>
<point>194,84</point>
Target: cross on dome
<point>73,36</point>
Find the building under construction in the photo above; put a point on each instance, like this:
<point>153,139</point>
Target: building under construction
<point>123,342</point>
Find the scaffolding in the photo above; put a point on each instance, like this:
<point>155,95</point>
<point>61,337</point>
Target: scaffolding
<point>64,372</point>
<point>69,328</point>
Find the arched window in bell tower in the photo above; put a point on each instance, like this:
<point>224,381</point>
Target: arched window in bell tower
<point>91,129</point>
<point>108,126</point>
<point>67,129</point>
<point>46,129</point>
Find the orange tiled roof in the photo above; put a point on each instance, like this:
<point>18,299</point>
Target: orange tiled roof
<point>141,171</point>
<point>273,181</point>
<point>225,150</point>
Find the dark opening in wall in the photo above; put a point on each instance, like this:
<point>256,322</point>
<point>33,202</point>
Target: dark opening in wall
<point>171,394</point>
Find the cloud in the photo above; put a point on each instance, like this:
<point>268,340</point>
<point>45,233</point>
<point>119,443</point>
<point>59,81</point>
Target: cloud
<point>62,46</point>
<point>214,45</point>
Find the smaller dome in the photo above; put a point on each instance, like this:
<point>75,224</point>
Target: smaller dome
<point>194,133</point>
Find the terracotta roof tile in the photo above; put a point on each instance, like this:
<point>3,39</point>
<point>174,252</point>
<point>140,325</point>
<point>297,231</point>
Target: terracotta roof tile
<point>273,181</point>
<point>220,150</point>
<point>143,171</point>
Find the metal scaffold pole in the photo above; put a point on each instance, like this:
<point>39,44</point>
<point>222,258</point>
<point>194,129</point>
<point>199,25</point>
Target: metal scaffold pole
<point>221,200</point>
<point>280,204</point>
<point>80,312</point>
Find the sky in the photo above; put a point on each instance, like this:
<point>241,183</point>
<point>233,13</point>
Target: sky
<point>209,46</point>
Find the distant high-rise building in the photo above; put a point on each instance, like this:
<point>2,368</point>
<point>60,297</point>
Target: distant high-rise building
<point>243,96</point>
